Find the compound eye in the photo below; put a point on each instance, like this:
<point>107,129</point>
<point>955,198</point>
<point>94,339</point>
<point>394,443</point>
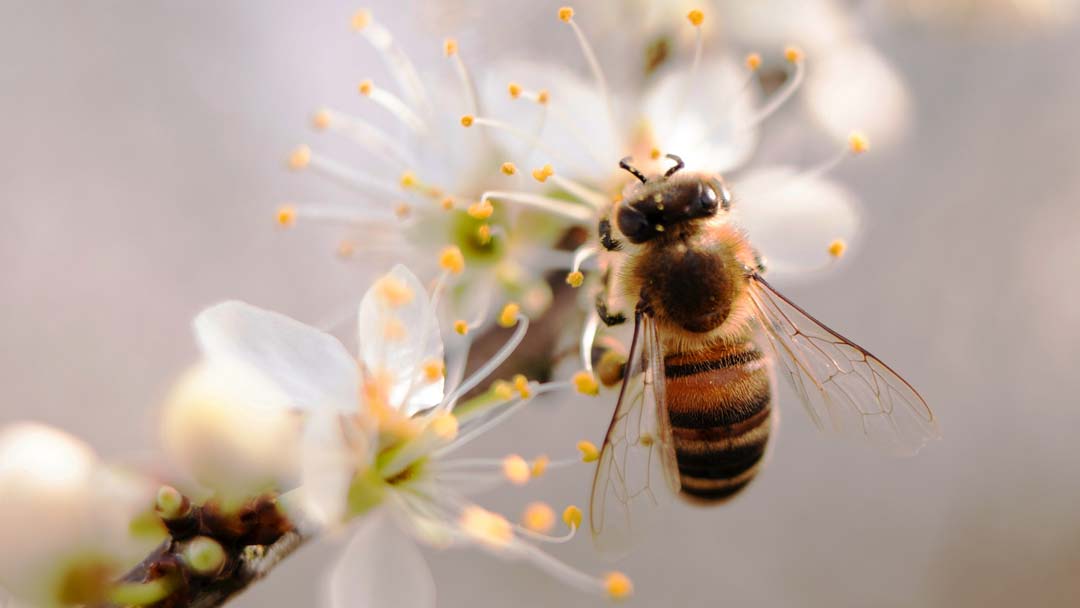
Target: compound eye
<point>633,224</point>
<point>708,198</point>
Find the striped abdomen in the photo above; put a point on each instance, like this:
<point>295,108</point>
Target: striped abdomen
<point>719,402</point>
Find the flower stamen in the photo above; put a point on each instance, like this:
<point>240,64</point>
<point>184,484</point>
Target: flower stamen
<point>392,104</point>
<point>450,48</point>
<point>542,203</point>
<point>360,131</point>
<point>396,61</point>
<point>566,14</point>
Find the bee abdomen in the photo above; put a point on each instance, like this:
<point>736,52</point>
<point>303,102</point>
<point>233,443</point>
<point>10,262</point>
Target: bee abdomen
<point>719,402</point>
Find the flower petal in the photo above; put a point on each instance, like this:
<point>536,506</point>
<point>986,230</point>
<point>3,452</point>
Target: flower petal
<point>791,218</point>
<point>328,464</point>
<point>381,567</point>
<point>853,87</point>
<point>311,367</point>
<point>698,116</point>
<point>398,337</point>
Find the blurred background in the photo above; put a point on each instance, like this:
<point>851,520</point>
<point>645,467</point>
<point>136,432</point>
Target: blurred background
<point>143,155</point>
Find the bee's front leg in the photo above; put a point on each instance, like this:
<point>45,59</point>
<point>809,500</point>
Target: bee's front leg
<point>610,243</point>
<point>610,319</point>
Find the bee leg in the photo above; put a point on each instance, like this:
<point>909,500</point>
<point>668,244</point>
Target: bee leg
<point>609,243</point>
<point>609,319</point>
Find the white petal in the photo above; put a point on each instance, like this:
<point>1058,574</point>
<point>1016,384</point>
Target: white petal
<point>328,464</point>
<point>697,116</point>
<point>577,126</point>
<point>381,567</point>
<point>396,341</point>
<point>311,367</point>
<point>792,218</point>
<point>852,87</point>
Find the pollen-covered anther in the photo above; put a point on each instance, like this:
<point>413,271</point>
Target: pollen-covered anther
<point>793,54</point>
<point>392,291</point>
<point>481,210</point>
<point>571,516</point>
<point>345,249</point>
<point>514,89</point>
<point>508,168</point>
<point>402,210</point>
<point>450,47</point>
<point>488,528</point>
<point>588,450</point>
<point>467,120</point>
<point>365,87</point>
<point>502,390</point>
<point>618,586</point>
<point>753,61</point>
<point>447,203</point>
<point>654,153</point>
<point>394,330</point>
<point>483,234</point>
<point>543,173</point>
<point>696,17</point>
<point>408,180</point>
<point>586,384</point>
<point>445,426</point>
<point>837,248</point>
<point>286,215</point>
<point>461,327</point>
<point>538,517</point>
<point>858,142</point>
<point>516,470</point>
<point>434,369</point>
<point>300,158</point>
<point>452,260</point>
<point>566,13</point>
<point>321,120</point>
<point>508,317</point>
<point>539,466</point>
<point>360,19</point>
<point>543,97</point>
<point>521,385</point>
<point>575,279</point>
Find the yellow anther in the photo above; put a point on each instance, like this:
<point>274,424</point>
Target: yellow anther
<point>588,450</point>
<point>521,385</point>
<point>300,158</point>
<point>467,120</point>
<point>286,215</point>
<point>361,19</point>
<point>451,259</point>
<point>402,210</point>
<point>393,291</point>
<point>514,89</point>
<point>542,96</point>
<point>543,173</point>
<point>321,120</point>
<point>575,279</point>
<point>571,516</point>
<point>696,17</point>
<point>502,390</point>
<point>516,470</point>
<point>753,61</point>
<point>445,426</point>
<point>586,384</point>
<point>654,153</point>
<point>434,369</point>
<point>481,210</point>
<point>837,248</point>
<point>483,234</point>
<point>538,517</point>
<point>394,330</point>
<point>539,466</point>
<point>447,203</point>
<point>858,142</point>
<point>618,585</point>
<point>793,54</point>
<point>450,47</point>
<point>566,14</point>
<point>461,327</point>
<point>408,179</point>
<point>365,87</point>
<point>610,367</point>
<point>509,315</point>
<point>508,168</point>
<point>345,249</point>
<point>486,527</point>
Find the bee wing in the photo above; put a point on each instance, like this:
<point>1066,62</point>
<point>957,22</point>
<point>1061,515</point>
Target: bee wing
<point>637,460</point>
<point>844,387</point>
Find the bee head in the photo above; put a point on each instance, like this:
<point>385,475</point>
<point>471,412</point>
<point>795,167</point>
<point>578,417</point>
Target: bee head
<point>658,204</point>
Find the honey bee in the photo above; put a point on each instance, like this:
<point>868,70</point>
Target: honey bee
<point>696,404</point>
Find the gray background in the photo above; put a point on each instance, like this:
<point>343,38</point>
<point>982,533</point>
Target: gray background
<point>142,156</point>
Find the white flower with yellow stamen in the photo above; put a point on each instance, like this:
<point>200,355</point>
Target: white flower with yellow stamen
<point>66,520</point>
<point>378,428</point>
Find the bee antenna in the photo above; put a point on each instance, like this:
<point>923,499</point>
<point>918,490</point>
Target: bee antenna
<point>679,164</point>
<point>625,164</point>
